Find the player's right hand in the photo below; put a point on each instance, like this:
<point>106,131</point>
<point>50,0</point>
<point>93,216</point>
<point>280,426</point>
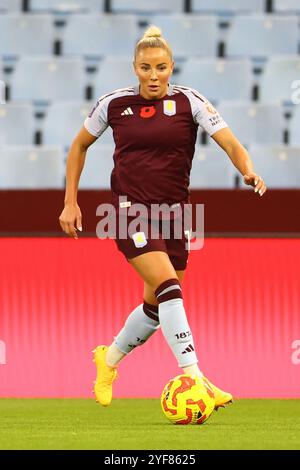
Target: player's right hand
<point>70,220</point>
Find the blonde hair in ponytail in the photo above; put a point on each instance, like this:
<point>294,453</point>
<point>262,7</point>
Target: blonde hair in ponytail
<point>153,38</point>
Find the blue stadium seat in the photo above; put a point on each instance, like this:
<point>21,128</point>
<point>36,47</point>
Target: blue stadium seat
<point>66,6</point>
<point>98,167</point>
<point>43,79</point>
<point>31,167</point>
<point>2,91</point>
<point>146,6</point>
<point>212,169</point>
<point>2,84</point>
<point>279,165</point>
<point>260,123</point>
<point>10,5</point>
<point>112,74</point>
<point>99,35</point>
<point>295,126</point>
<point>16,124</point>
<point>269,35</point>
<point>189,34</point>
<point>28,34</point>
<point>283,6</point>
<point>63,121</point>
<point>278,76</point>
<point>228,6</point>
<point>217,79</point>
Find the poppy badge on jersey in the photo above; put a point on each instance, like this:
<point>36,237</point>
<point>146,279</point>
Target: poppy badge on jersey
<point>139,239</point>
<point>169,107</point>
<point>147,112</point>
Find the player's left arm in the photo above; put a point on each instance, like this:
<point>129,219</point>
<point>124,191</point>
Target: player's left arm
<point>240,158</point>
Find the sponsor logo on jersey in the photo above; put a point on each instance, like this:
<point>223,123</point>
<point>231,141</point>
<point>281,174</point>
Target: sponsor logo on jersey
<point>147,112</point>
<point>210,108</point>
<point>127,112</point>
<point>215,120</point>
<point>169,107</point>
<point>139,239</point>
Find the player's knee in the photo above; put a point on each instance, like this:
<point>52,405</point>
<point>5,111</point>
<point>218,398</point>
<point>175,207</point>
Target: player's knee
<point>168,290</point>
<point>149,295</point>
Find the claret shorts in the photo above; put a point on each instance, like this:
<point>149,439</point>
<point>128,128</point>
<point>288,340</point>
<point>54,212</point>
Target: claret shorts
<point>171,237</point>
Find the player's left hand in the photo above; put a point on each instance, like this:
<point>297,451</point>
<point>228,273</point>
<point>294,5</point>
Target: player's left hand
<point>252,179</point>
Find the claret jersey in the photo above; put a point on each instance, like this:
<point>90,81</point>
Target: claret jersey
<point>154,140</point>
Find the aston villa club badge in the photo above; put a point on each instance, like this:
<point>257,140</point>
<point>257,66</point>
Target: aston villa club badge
<point>169,107</point>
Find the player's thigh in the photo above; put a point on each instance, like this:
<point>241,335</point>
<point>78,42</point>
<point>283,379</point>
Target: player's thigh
<point>149,294</point>
<point>154,268</point>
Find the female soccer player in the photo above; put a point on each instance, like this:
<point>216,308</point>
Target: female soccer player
<point>155,127</point>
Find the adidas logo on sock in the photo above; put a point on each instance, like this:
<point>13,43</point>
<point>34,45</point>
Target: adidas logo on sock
<point>126,112</point>
<point>188,349</point>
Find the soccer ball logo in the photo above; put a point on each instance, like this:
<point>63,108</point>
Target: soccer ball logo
<point>186,399</point>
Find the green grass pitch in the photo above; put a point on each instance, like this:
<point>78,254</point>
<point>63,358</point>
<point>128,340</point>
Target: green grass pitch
<point>140,424</point>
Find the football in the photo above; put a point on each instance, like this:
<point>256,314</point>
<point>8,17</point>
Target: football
<point>187,400</point>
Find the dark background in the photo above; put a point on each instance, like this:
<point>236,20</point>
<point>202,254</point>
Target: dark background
<point>237,212</point>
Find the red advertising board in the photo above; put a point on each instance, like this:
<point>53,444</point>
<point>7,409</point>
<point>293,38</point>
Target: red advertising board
<point>59,298</point>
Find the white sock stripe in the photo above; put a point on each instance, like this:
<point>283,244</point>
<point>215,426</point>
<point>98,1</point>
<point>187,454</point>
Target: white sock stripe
<point>168,289</point>
<point>148,306</point>
<point>154,313</point>
<point>150,313</point>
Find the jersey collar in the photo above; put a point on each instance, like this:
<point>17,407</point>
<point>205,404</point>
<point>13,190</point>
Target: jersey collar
<point>169,92</point>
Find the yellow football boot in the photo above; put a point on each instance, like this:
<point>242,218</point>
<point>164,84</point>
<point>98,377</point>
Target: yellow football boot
<point>222,398</point>
<point>105,377</point>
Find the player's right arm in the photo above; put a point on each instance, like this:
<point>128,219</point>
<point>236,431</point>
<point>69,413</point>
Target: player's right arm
<point>94,125</point>
<point>70,218</point>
